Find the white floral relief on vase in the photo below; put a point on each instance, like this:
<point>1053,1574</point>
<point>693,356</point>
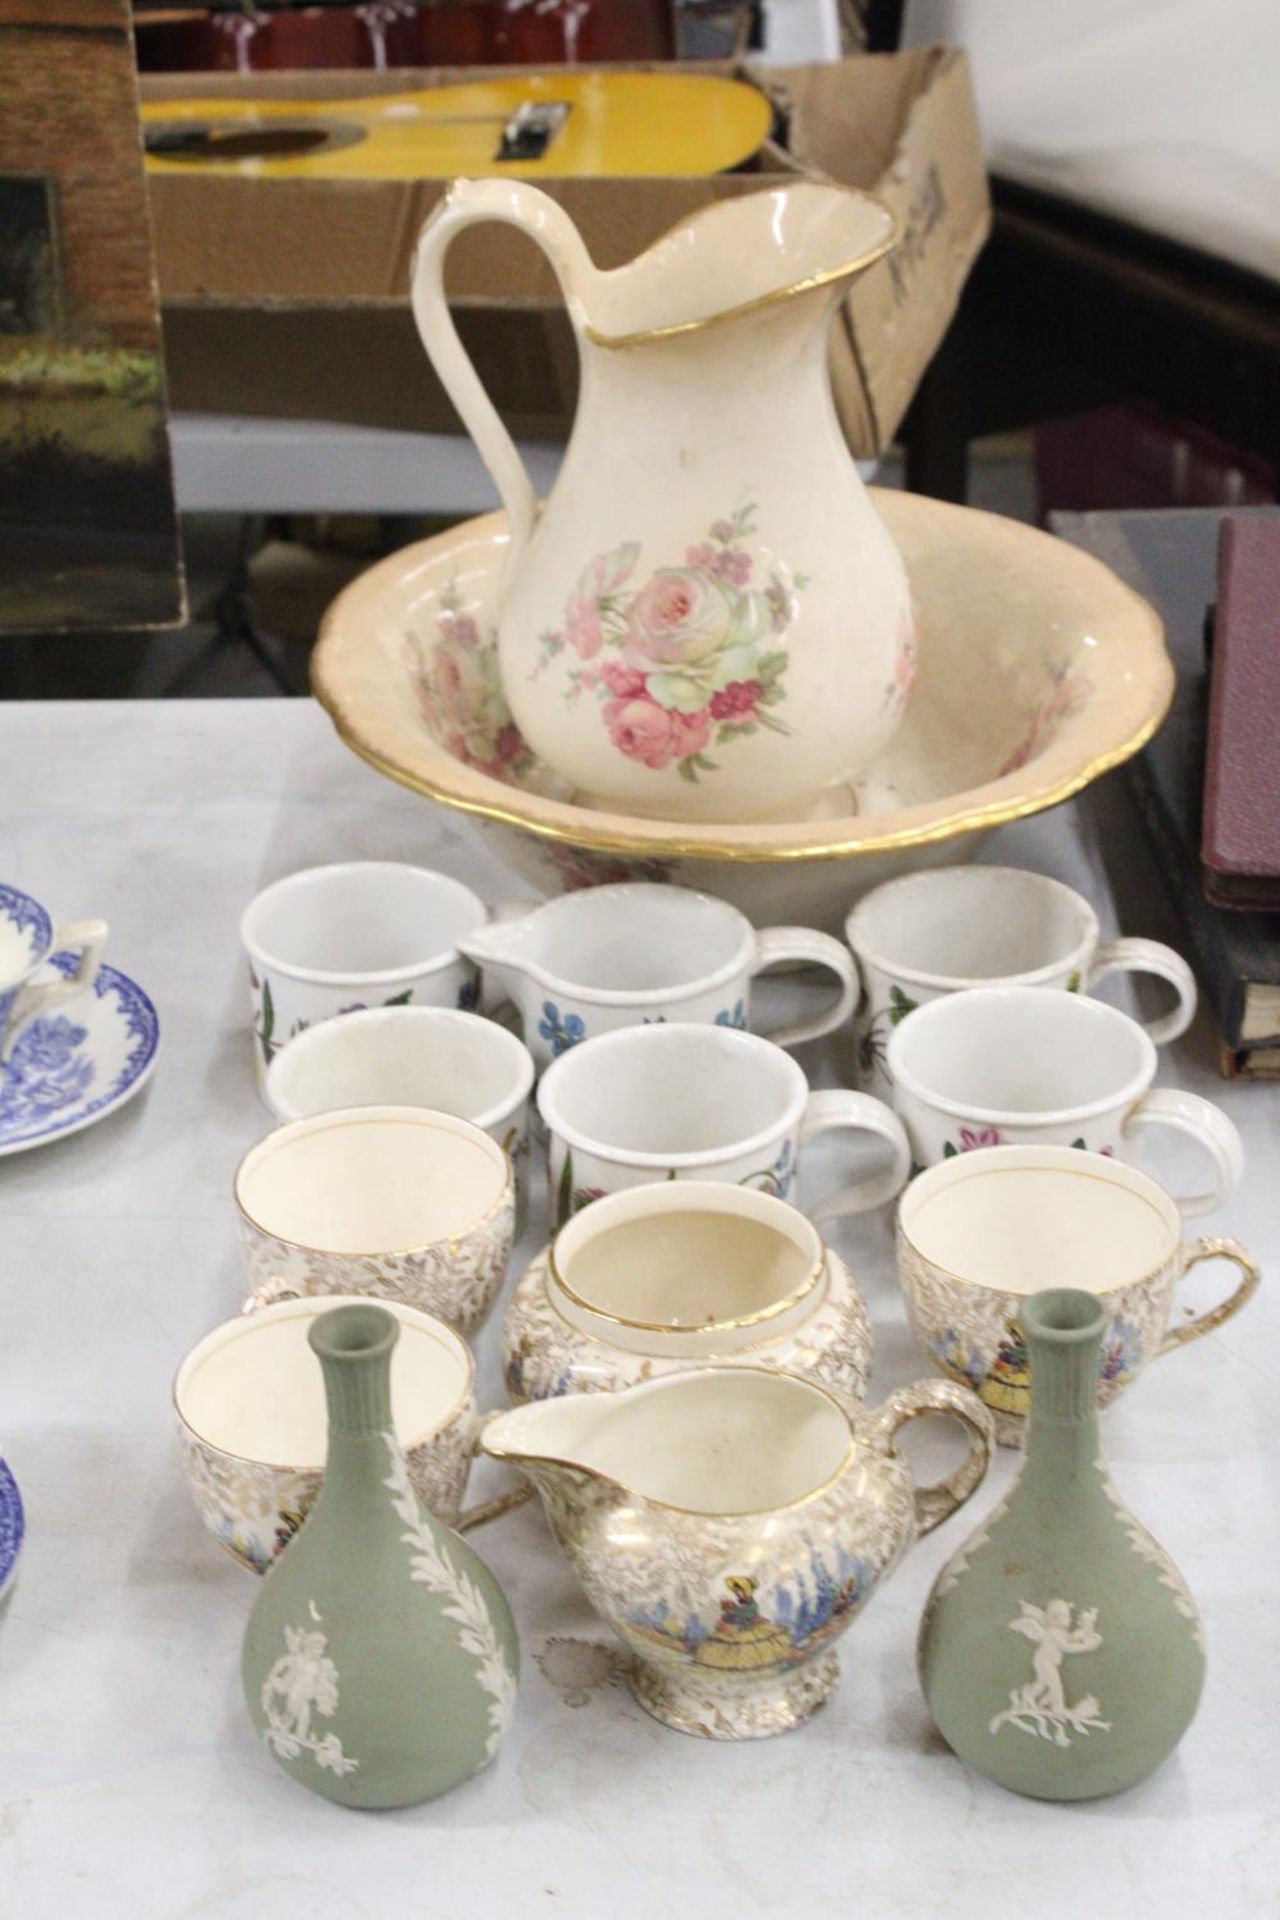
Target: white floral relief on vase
<point>1149,1549</point>
<point>1041,1707</point>
<point>959,1563</point>
<point>430,1563</point>
<point>301,1684</point>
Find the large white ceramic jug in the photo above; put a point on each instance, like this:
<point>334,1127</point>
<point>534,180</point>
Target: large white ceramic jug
<point>706,619</point>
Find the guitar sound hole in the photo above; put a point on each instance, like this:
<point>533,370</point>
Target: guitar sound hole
<point>286,142</point>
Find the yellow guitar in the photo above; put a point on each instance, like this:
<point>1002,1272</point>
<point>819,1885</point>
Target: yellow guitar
<point>546,124</point>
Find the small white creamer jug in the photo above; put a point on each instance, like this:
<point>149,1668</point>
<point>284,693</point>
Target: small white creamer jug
<point>707,619</point>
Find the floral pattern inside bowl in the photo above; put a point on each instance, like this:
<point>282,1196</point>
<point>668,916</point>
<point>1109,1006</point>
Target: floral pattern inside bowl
<point>1034,668</point>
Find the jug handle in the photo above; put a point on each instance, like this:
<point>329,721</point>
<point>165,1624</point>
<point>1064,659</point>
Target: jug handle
<point>469,203</point>
<point>937,1503</point>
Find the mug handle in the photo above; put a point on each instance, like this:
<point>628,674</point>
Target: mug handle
<point>1150,956</point>
<point>838,1107</point>
<point>1208,1247</point>
<point>89,937</point>
<point>937,1503</point>
<point>1201,1121</point>
<point>806,944</point>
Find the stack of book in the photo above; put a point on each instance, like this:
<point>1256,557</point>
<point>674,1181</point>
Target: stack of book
<point>1208,787</point>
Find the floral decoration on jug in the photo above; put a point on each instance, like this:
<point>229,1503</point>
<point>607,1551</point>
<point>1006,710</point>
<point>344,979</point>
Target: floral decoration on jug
<point>690,659</point>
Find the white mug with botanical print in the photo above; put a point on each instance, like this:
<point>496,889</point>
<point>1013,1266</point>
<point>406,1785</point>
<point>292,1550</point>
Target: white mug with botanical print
<point>639,954</point>
<point>365,933</point>
<point>928,934</point>
<point>1012,1066</point>
<point>692,1102</point>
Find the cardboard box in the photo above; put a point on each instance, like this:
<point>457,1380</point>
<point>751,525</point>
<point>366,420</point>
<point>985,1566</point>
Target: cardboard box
<point>288,298</point>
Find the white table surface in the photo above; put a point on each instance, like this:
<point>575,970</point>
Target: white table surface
<point>131,1785</point>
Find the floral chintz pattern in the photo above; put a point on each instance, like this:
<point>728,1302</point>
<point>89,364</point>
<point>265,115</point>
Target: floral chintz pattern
<point>971,1334</point>
<point>458,1279</point>
<point>687,660</point>
<point>254,1509</point>
<point>455,680</point>
<point>545,1356</point>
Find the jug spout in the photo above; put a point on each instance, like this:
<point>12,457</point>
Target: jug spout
<point>501,947</point>
<point>550,1440</point>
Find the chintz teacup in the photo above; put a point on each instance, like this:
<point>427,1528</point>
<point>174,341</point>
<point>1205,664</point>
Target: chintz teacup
<point>689,1102</point>
<point>411,1057</point>
<point>28,938</point>
<point>250,1406</point>
<point>928,934</point>
<point>1013,1066</point>
<point>368,933</point>
<point>980,1233</point>
<point>637,953</point>
<point>397,1203</point>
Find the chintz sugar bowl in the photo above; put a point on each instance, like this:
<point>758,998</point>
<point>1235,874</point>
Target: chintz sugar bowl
<point>729,1523</point>
<point>981,1232</point>
<point>636,953</point>
<point>677,1274</point>
<point>928,934</point>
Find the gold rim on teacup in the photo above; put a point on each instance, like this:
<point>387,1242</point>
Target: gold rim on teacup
<point>688,1196</point>
<point>309,1308</point>
<point>349,1117</point>
<point>984,1162</point>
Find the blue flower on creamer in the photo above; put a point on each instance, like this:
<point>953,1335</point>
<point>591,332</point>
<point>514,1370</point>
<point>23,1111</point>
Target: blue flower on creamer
<point>735,1016</point>
<point>560,1033</point>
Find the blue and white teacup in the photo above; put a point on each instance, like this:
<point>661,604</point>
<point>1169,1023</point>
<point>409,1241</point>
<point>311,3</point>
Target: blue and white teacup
<point>28,938</point>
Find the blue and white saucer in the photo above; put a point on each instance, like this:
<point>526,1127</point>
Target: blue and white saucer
<point>12,1528</point>
<point>74,1066</point>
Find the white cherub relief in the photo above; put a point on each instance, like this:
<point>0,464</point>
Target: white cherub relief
<point>1041,1707</point>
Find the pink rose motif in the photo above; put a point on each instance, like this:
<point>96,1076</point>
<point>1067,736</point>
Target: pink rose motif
<point>680,615</point>
<point>458,627</point>
<point>582,626</point>
<point>510,744</point>
<point>649,733</point>
<point>624,683</point>
<point>738,701</point>
<point>971,1138</point>
<point>692,732</point>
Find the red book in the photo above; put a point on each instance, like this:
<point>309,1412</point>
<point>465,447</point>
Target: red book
<point>1240,843</point>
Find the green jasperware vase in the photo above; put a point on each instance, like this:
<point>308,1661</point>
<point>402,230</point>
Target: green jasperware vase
<point>380,1659</point>
<point>1060,1651</point>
